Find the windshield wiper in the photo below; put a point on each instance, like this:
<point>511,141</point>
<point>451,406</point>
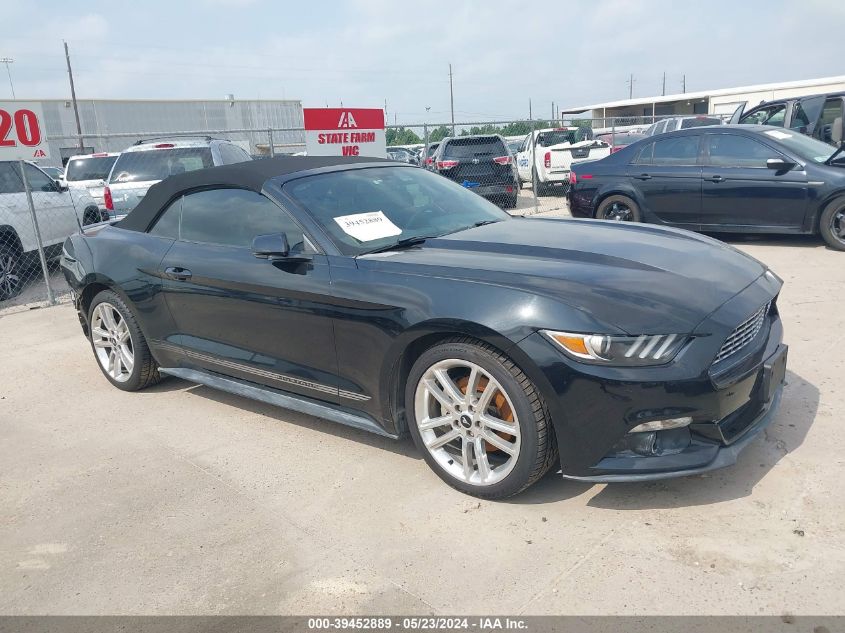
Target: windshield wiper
<point>486,222</point>
<point>403,243</point>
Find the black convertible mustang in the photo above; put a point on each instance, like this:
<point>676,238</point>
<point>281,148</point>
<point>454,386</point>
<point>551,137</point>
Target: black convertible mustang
<point>390,299</point>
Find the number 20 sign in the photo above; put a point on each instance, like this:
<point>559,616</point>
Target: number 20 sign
<point>22,133</point>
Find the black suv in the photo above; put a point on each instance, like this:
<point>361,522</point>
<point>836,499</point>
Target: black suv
<point>813,115</point>
<point>482,164</point>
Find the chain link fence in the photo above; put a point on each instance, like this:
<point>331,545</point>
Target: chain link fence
<point>39,211</point>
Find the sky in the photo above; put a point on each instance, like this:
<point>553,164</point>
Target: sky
<point>363,52</point>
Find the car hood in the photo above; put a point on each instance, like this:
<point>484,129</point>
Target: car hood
<point>637,278</point>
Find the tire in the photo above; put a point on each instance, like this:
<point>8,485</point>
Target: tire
<point>510,201</point>
<point>111,359</point>
<point>91,216</point>
<point>622,207</point>
<point>832,224</point>
<point>523,446</point>
<point>11,269</point>
<point>538,186</point>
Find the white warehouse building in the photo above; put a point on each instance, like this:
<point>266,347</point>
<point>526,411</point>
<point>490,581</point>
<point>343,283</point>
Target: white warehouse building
<point>723,101</point>
<point>114,124</point>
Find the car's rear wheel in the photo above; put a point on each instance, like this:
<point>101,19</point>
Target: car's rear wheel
<point>620,209</point>
<point>538,185</point>
<point>478,419</point>
<point>11,280</point>
<point>832,224</point>
<point>119,346</point>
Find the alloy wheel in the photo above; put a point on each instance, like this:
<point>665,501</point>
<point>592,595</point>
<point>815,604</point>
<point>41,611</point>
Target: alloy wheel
<point>112,342</point>
<point>10,279</point>
<point>467,422</point>
<point>619,211</point>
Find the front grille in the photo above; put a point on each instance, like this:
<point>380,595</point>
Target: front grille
<point>743,334</point>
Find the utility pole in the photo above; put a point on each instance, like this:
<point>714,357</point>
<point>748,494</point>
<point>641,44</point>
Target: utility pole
<point>73,97</point>
<point>7,61</point>
<point>553,110</point>
<point>664,84</point>
<point>684,84</point>
<point>530,117</point>
<point>452,99</point>
<point>631,87</point>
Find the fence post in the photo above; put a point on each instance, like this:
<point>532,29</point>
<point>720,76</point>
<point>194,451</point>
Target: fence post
<point>41,256</point>
<point>270,138</point>
<point>535,179</point>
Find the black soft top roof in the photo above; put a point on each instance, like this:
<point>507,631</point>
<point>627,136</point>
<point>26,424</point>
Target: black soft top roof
<point>247,175</point>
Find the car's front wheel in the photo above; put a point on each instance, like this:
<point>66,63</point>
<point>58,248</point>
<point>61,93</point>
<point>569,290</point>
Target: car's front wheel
<point>478,419</point>
<point>119,346</point>
<point>832,224</point>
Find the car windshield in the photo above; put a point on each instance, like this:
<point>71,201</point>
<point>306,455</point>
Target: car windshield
<point>368,209</point>
<point>158,164</point>
<point>556,137</point>
<point>90,168</point>
<point>805,147</point>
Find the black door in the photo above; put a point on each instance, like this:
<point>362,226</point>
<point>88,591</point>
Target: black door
<point>262,321</point>
<point>668,177</point>
<point>739,190</point>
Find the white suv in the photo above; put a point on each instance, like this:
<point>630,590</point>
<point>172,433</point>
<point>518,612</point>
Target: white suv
<point>88,172</point>
<point>147,162</point>
<point>58,213</point>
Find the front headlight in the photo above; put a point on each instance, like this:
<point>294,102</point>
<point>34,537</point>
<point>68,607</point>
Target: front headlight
<point>633,351</point>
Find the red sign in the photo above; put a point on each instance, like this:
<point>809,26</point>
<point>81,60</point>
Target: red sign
<point>344,132</point>
<point>343,118</point>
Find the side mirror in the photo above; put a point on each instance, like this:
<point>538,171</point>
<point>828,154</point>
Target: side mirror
<point>779,164</point>
<point>274,247</point>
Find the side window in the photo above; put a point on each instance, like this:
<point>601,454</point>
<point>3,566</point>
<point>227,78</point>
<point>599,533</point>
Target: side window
<point>805,114</point>
<point>167,224</point>
<point>774,115</point>
<point>38,180</point>
<point>645,155</point>
<point>233,217</point>
<point>10,179</point>
<point>233,154</point>
<point>678,150</point>
<point>832,110</point>
<point>728,150</point>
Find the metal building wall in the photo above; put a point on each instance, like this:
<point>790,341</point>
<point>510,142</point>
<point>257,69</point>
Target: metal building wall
<point>143,117</point>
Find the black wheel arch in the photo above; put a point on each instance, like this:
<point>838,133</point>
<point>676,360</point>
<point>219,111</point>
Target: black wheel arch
<point>410,345</point>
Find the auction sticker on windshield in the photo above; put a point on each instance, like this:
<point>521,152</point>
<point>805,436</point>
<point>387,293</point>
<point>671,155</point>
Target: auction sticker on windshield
<point>367,227</point>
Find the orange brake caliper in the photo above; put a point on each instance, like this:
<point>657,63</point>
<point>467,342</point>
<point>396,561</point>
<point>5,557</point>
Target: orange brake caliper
<point>500,403</point>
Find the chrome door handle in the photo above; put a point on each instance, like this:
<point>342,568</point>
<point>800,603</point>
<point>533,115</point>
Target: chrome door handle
<point>714,178</point>
<point>179,274</point>
<point>643,177</point>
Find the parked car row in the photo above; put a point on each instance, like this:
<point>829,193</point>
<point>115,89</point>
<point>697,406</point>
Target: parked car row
<point>728,178</point>
<point>92,188</point>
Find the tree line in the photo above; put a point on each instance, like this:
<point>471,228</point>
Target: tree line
<point>407,136</point>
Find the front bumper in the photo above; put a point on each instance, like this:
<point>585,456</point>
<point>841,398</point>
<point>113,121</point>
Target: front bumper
<point>700,456</point>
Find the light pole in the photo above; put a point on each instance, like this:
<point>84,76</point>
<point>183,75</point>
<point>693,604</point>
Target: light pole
<point>7,61</point>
